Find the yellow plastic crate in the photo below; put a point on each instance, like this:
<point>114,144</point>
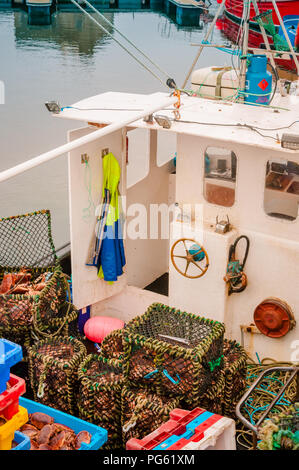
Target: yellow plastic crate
<point>8,429</point>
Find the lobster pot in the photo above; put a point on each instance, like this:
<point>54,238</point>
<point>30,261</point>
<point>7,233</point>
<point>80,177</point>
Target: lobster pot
<point>142,412</point>
<point>32,286</point>
<point>212,400</point>
<point>235,371</point>
<point>53,372</point>
<point>99,398</point>
<point>112,345</point>
<point>172,352</point>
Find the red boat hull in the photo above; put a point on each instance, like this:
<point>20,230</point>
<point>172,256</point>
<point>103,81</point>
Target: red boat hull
<point>230,24</point>
<point>286,7</point>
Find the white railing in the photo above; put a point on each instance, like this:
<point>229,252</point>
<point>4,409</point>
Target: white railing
<point>58,151</point>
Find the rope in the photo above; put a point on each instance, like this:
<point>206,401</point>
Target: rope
<point>140,403</point>
<point>35,320</point>
<point>262,396</point>
<point>87,211</point>
<point>120,44</point>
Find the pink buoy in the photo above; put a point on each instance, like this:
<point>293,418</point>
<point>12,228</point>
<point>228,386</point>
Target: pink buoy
<point>96,328</point>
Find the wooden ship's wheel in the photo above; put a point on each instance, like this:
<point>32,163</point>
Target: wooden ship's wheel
<point>194,255</point>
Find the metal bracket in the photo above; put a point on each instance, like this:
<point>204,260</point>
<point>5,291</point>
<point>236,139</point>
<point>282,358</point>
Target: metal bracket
<point>149,119</point>
<point>84,158</point>
<point>105,152</point>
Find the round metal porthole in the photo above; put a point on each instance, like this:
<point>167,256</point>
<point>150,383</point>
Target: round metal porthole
<point>274,318</point>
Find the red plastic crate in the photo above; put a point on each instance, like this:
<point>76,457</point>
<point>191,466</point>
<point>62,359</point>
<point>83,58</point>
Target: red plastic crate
<point>176,425</point>
<point>9,400</point>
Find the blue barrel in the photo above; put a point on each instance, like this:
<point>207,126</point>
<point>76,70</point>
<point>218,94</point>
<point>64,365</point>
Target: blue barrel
<point>258,81</point>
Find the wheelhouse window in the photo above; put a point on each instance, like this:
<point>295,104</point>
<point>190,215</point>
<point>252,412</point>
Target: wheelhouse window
<point>220,176</point>
<point>282,189</point>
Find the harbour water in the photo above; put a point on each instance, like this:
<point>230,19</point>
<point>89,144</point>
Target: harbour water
<point>67,61</point>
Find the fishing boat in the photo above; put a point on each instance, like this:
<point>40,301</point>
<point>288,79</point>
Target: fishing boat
<point>232,18</point>
<point>234,9</point>
<point>226,245</point>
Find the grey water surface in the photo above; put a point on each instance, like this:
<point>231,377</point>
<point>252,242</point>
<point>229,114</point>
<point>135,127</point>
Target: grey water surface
<point>67,61</point>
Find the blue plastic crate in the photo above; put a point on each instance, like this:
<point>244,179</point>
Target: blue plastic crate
<point>22,441</point>
<point>190,427</point>
<point>10,354</point>
<point>98,435</point>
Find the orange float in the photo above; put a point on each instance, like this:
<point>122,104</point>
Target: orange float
<point>274,318</point>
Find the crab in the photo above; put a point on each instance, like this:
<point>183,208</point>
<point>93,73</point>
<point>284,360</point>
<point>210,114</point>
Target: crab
<point>44,434</point>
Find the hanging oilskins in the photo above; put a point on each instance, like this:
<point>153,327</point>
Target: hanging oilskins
<point>109,256</point>
<point>235,277</point>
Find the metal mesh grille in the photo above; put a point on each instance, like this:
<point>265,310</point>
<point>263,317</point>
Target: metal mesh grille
<point>26,240</point>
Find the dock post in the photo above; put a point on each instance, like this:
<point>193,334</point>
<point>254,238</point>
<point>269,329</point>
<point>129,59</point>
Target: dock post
<point>170,8</point>
<point>156,4</point>
<point>39,12</point>
<point>188,16</point>
<point>129,4</point>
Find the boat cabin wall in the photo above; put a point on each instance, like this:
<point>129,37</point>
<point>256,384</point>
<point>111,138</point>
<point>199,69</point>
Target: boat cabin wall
<point>244,198</point>
<point>272,266</point>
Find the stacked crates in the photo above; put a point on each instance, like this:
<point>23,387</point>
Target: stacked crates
<point>12,416</point>
<point>189,430</point>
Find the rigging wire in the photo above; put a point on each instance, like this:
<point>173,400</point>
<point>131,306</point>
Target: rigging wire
<point>238,124</point>
<point>169,83</point>
<point>125,37</point>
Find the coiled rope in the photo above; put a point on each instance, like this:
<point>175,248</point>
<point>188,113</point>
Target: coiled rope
<point>262,396</point>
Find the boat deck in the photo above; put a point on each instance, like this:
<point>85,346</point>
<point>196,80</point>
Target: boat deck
<point>199,117</point>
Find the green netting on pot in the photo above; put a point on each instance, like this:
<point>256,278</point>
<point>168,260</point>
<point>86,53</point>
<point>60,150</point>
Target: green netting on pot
<point>265,20</point>
<point>235,371</point>
<point>112,345</point>
<point>142,412</point>
<point>281,432</point>
<point>59,325</point>
<point>173,352</point>
<point>53,371</point>
<point>32,286</point>
<point>99,398</point>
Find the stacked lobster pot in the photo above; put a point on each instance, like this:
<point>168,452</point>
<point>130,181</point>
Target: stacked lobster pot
<point>99,398</point>
<point>32,285</point>
<point>235,372</point>
<point>53,372</point>
<point>224,393</point>
<point>169,356</point>
<point>112,345</point>
<point>143,411</point>
<point>173,353</point>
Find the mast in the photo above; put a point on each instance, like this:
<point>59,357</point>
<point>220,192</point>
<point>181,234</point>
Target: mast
<point>243,68</point>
